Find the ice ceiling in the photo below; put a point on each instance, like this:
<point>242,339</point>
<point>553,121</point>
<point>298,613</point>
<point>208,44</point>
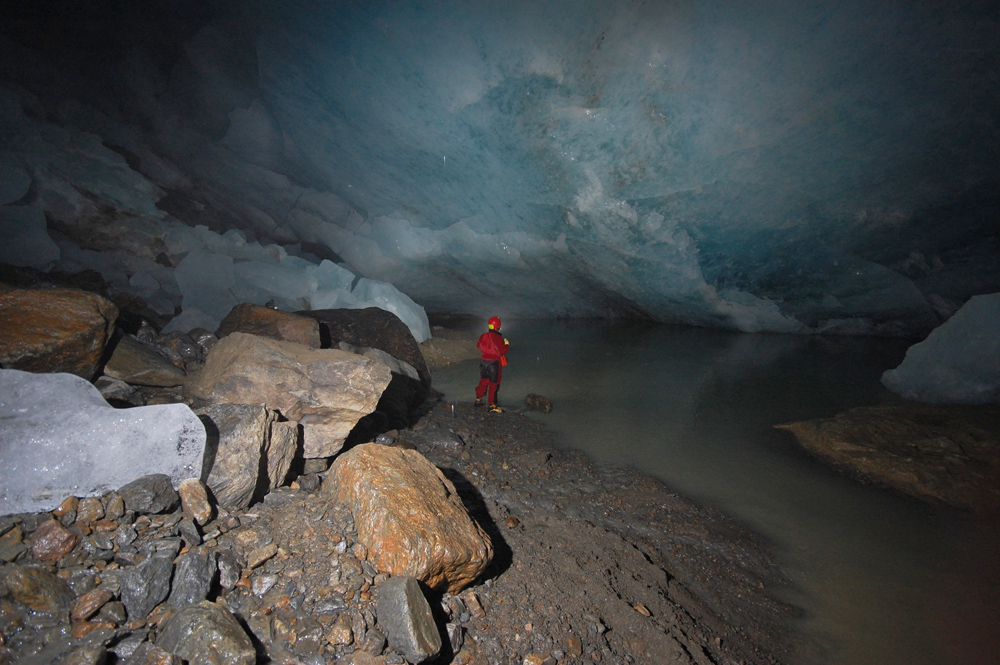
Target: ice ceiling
<point>783,166</point>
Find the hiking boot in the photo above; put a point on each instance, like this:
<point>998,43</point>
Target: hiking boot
<point>479,401</point>
<point>495,409</point>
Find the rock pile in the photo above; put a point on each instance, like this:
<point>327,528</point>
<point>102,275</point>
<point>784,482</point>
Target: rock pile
<point>144,573</point>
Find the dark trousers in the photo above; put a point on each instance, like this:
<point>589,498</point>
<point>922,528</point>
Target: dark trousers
<point>489,380</point>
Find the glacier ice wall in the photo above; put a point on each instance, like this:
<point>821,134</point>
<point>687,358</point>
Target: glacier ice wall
<point>784,166</point>
<point>959,362</point>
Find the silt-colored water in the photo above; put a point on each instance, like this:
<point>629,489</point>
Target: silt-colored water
<point>882,579</point>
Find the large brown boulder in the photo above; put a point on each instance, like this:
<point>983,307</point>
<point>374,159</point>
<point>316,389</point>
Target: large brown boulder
<point>372,327</point>
<point>326,390</point>
<point>273,323</point>
<point>54,330</point>
<point>409,516</point>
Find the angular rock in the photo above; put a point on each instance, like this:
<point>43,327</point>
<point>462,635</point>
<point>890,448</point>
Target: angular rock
<point>147,585</point>
<point>326,391</point>
<point>150,494</point>
<point>137,364</point>
<point>54,330</point>
<point>372,327</point>
<point>87,604</point>
<point>89,654</point>
<point>40,590</point>
<point>90,447</point>
<point>151,654</point>
<point>405,616</point>
<point>409,516</point>
<point>192,578</point>
<point>207,633</point>
<point>194,500</point>
<point>249,449</point>
<point>266,322</point>
<point>51,541</point>
<point>533,402</point>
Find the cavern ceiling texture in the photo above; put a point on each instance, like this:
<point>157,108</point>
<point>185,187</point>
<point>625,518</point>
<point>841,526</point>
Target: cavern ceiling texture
<point>782,166</point>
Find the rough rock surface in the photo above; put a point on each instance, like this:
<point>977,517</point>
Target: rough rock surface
<point>54,330</point>
<point>938,453</point>
<point>592,566</point>
<point>372,327</point>
<point>327,391</point>
<point>410,516</point>
<point>406,618</point>
<point>273,323</point>
<point>138,364</point>
<point>207,633</point>
<point>250,451</point>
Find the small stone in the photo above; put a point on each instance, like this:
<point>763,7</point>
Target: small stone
<point>406,616</point>
<point>150,494</point>
<point>341,632</point>
<point>229,569</point>
<point>193,577</point>
<point>263,583</point>
<point>207,633</point>
<point>147,585</point>
<point>52,541</point>
<point>456,636</point>
<point>150,654</point>
<point>90,654</point>
<point>643,610</point>
<point>84,628</point>
<point>66,511</point>
<point>511,522</point>
<point>114,507</point>
<point>12,543</point>
<point>40,590</point>
<point>91,509</point>
<point>260,555</point>
<point>472,602</point>
<point>194,500</point>
<point>87,604</point>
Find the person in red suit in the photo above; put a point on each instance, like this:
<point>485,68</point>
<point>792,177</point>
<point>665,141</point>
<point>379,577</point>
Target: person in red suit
<point>494,350</point>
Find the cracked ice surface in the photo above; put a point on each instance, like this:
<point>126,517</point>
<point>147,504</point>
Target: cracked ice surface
<point>59,437</point>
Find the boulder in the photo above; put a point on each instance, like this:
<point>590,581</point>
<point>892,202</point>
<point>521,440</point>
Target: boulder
<point>58,437</point>
<point>405,616</point>
<point>54,330</point>
<point>409,516</point>
<point>372,327</point>
<point>249,451</point>
<point>938,453</point>
<point>207,633</point>
<point>327,391</point>
<point>272,323</point>
<point>139,365</point>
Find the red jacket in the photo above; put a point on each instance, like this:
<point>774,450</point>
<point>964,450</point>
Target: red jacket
<point>493,345</point>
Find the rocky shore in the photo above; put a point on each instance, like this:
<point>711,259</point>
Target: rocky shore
<point>344,513</point>
<point>602,566</point>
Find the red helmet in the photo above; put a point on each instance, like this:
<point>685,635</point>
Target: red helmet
<point>494,323</point>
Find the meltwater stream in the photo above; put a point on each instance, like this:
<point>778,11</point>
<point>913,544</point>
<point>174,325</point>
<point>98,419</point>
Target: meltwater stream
<point>881,579</point>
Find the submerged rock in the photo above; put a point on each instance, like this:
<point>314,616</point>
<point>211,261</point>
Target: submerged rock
<point>947,454</point>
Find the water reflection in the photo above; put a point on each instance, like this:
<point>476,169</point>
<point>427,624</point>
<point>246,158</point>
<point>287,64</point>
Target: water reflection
<point>883,579</point>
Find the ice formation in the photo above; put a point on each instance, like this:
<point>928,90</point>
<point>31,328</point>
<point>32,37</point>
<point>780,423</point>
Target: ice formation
<point>958,363</point>
<point>755,166</point>
<point>59,438</point>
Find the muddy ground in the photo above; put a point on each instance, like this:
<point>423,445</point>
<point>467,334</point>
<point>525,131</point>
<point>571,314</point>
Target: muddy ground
<point>598,565</point>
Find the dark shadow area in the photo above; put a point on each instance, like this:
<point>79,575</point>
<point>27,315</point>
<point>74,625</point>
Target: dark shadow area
<point>476,505</point>
<point>211,448</point>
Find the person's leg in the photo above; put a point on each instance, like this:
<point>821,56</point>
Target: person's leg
<point>494,387</point>
<point>481,388</point>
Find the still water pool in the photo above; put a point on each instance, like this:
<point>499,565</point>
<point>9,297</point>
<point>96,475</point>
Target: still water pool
<point>881,579</point>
